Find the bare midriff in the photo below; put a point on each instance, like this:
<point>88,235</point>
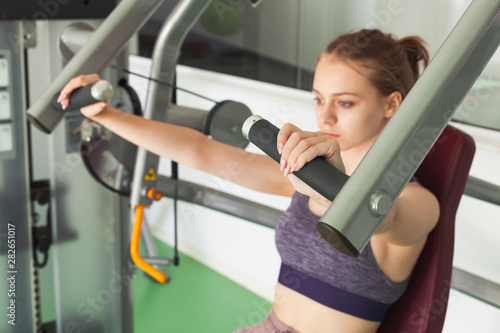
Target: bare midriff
<point>306,315</point>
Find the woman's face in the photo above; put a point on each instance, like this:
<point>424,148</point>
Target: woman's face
<point>348,106</point>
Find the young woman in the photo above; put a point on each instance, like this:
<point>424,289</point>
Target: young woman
<point>360,80</point>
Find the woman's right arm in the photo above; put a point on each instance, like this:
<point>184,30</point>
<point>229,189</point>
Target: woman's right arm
<point>187,146</point>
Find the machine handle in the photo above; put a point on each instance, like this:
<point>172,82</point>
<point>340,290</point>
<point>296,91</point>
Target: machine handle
<point>83,96</point>
<point>134,248</point>
<point>323,177</point>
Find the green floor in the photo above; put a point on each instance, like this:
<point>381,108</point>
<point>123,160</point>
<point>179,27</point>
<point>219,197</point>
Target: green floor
<point>195,300</point>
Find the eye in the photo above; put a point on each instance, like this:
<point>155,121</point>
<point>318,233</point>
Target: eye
<point>318,100</point>
<point>345,104</point>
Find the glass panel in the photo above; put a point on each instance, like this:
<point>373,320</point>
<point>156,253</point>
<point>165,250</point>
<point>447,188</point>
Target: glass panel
<point>235,38</point>
<point>279,41</point>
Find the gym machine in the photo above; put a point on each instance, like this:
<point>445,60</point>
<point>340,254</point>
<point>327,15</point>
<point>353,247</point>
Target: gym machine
<point>364,199</point>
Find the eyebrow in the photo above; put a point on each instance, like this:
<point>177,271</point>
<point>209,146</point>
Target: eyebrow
<point>338,94</point>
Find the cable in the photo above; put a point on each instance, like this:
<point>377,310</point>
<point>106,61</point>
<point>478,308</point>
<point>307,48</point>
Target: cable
<point>163,83</point>
<point>175,178</point>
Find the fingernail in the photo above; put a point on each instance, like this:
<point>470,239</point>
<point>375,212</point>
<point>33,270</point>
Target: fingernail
<point>295,166</point>
<point>63,106</point>
<point>282,164</point>
<point>59,99</point>
<point>104,104</point>
<point>280,148</point>
<point>287,170</point>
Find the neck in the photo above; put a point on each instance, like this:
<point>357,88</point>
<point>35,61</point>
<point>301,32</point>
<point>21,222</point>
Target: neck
<point>353,156</point>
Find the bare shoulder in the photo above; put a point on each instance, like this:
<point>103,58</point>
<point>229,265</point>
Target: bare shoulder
<point>421,203</point>
<point>397,249</point>
<point>414,215</point>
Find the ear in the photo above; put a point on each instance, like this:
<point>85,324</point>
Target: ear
<point>393,102</point>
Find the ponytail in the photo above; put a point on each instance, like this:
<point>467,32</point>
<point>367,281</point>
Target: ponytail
<point>415,53</point>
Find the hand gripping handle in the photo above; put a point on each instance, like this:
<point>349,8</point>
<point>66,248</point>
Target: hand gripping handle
<point>87,95</point>
<point>323,177</point>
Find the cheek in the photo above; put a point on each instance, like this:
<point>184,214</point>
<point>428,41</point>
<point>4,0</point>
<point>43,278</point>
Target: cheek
<point>373,120</point>
<point>353,124</point>
<point>359,129</point>
<point>351,132</point>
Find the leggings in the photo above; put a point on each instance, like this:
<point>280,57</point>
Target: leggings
<point>271,324</point>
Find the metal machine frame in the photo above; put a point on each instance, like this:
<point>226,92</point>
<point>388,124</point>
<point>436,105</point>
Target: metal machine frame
<point>15,236</point>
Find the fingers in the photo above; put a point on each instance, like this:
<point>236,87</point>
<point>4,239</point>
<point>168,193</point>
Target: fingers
<point>299,147</point>
<point>76,82</point>
<point>284,134</point>
<point>302,148</point>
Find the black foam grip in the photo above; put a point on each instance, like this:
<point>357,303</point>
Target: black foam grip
<point>78,99</point>
<point>323,177</point>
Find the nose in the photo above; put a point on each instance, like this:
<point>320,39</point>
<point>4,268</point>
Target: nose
<point>327,116</point>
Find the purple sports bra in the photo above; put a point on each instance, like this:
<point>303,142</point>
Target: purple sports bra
<point>310,266</point>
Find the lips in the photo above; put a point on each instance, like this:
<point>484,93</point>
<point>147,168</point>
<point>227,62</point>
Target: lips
<point>332,135</point>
